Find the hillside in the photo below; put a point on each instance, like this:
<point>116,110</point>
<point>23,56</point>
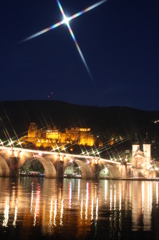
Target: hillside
<point>120,123</point>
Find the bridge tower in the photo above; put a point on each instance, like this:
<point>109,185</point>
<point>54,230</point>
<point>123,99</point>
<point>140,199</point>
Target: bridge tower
<point>147,150</point>
<point>135,145</point>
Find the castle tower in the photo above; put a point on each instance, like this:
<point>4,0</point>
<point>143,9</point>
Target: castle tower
<point>32,132</point>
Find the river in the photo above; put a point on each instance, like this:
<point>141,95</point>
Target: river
<point>75,209</point>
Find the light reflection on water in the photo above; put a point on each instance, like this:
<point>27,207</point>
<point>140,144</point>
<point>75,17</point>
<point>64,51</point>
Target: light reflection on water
<point>78,209</point>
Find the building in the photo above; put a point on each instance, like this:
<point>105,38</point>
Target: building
<point>141,158</point>
<point>53,136</point>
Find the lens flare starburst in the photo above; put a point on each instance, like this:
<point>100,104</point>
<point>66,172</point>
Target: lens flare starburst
<point>66,21</point>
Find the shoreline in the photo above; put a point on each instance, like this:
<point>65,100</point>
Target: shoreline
<point>108,178</point>
<point>132,179</point>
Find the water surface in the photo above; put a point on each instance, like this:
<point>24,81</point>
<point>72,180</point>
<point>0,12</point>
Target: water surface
<point>38,208</point>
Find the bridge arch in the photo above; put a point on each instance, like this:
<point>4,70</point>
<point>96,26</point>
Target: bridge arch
<point>104,173</point>
<point>113,170</point>
<point>92,170</point>
<point>85,168</point>
<point>4,168</point>
<point>50,171</point>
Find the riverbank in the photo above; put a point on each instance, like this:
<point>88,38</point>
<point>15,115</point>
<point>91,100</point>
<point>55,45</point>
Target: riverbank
<point>32,175</point>
<point>136,179</point>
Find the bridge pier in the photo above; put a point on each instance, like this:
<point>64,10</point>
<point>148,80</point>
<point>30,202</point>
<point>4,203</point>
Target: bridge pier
<point>123,171</point>
<point>96,170</point>
<point>59,166</point>
<point>14,167</point>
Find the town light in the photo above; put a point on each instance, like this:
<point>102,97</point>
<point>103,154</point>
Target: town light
<point>10,143</point>
<point>20,153</point>
<point>15,154</point>
<point>10,152</point>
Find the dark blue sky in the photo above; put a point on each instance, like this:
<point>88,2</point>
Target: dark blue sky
<point>119,40</point>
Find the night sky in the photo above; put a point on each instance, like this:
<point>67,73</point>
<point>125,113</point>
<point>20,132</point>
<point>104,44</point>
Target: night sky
<point>119,40</point>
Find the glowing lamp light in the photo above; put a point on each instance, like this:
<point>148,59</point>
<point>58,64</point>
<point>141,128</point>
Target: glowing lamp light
<point>21,153</point>
<point>40,154</point>
<point>10,152</point>
<point>9,143</point>
<point>15,154</point>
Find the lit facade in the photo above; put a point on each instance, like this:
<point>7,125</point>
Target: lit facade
<point>52,136</point>
<point>141,159</point>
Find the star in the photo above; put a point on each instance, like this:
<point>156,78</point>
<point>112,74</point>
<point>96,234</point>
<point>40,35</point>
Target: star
<point>66,21</point>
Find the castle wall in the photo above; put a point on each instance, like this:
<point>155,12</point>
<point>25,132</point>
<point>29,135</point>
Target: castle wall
<point>81,136</point>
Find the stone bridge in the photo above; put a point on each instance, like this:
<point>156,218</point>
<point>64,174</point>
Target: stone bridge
<point>12,159</point>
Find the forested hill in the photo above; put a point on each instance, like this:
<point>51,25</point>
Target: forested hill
<point>106,122</point>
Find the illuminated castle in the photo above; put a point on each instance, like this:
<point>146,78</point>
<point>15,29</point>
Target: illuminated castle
<point>52,136</point>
